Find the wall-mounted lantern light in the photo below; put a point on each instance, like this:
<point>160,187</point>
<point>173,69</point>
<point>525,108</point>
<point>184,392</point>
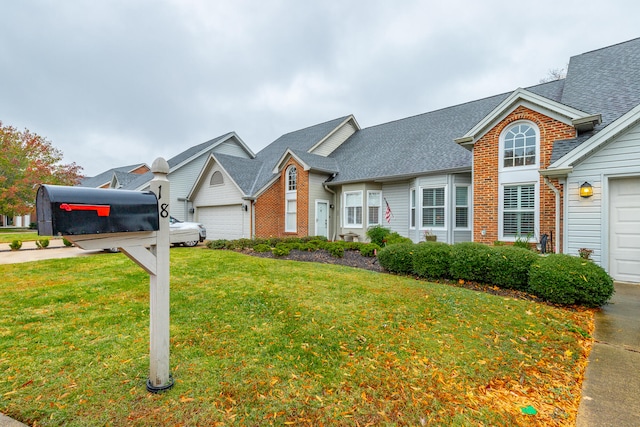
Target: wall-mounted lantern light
<point>586,190</point>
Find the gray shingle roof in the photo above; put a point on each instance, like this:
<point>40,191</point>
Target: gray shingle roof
<point>604,81</point>
<point>243,171</point>
<point>142,180</point>
<point>299,141</point>
<point>413,146</point>
<point>106,176</point>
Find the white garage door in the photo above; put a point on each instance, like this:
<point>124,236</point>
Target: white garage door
<point>222,222</point>
<point>624,229</point>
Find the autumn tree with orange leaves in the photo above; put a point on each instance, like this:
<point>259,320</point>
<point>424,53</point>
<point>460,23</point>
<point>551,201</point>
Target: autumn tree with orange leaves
<point>26,160</point>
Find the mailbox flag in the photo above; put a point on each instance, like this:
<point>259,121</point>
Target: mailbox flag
<point>101,210</point>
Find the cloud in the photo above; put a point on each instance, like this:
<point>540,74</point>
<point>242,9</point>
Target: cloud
<point>117,82</point>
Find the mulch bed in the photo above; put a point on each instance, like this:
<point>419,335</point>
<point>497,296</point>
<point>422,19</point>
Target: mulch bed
<point>354,259</point>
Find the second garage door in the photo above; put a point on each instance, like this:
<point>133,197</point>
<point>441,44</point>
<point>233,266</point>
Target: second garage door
<point>624,229</point>
<point>223,222</point>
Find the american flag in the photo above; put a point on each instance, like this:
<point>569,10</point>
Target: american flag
<point>387,213</point>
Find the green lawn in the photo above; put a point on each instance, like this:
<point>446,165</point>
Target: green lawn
<point>23,236</point>
<point>268,342</point>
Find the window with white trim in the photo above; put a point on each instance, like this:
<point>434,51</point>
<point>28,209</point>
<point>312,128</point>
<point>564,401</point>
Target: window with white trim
<point>292,178</point>
<point>353,209</point>
<point>291,202</point>
<point>374,207</point>
<point>412,208</point>
<point>433,207</point>
<point>518,217</point>
<point>462,207</point>
<point>520,145</point>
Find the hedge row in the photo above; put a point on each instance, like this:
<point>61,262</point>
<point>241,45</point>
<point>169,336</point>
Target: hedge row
<point>557,278</point>
<point>283,246</point>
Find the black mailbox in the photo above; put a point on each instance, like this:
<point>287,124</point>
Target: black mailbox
<point>78,210</point>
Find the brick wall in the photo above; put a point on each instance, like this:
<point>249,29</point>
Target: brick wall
<point>270,206</point>
<point>485,174</point>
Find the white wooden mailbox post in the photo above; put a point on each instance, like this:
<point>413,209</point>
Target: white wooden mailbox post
<point>148,249</point>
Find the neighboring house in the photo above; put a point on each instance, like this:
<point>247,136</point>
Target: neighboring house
<point>116,177</point>
<point>183,171</point>
<point>502,168</point>
<point>277,192</point>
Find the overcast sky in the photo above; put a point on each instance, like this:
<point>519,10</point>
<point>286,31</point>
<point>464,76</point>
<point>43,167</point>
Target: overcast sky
<point>118,82</point>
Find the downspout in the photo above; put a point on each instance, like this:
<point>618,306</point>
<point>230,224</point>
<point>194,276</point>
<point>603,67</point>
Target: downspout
<point>333,237</point>
<point>557,193</point>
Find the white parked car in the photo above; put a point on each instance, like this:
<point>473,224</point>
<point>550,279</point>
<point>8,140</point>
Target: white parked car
<point>181,233</point>
<point>179,228</point>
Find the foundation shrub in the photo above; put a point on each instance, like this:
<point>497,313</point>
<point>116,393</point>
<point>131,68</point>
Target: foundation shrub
<point>432,259</point>
<point>565,279</point>
<point>281,249</point>
<point>369,249</point>
<point>395,238</point>
<point>397,258</point>
<point>336,250</point>
<point>470,261</point>
<point>508,267</point>
<point>217,244</point>
<point>377,234</point>
<point>262,247</point>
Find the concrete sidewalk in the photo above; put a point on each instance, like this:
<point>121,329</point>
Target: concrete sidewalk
<point>611,388</point>
<point>29,252</point>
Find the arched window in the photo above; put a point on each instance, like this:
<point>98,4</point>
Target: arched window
<point>292,178</point>
<point>520,145</point>
<point>290,202</point>
<point>216,178</point>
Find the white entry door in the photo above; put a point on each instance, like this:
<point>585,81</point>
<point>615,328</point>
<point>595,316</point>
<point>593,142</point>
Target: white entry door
<point>624,229</point>
<point>322,218</point>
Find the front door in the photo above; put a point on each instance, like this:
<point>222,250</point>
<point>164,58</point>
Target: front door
<point>322,218</point>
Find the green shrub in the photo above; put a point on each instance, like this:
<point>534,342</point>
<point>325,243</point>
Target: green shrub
<point>42,243</point>
<point>336,250</point>
<point>240,244</point>
<point>397,258</point>
<point>281,249</point>
<point>432,259</point>
<point>509,267</point>
<point>311,238</point>
<point>262,247</point>
<point>217,244</point>
<point>565,279</point>
<point>395,238</point>
<point>469,261</point>
<point>15,245</point>
<point>377,234</point>
<point>66,242</point>
<point>523,242</point>
<point>369,249</point>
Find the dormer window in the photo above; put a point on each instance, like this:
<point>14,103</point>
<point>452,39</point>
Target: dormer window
<point>520,146</point>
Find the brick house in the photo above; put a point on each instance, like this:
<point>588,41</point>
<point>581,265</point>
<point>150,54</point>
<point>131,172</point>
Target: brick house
<point>507,167</point>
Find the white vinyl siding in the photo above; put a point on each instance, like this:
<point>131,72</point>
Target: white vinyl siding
<point>335,140</point>
<point>588,219</point>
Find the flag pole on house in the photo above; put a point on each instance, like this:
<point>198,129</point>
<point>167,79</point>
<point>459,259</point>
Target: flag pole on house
<point>387,213</point>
